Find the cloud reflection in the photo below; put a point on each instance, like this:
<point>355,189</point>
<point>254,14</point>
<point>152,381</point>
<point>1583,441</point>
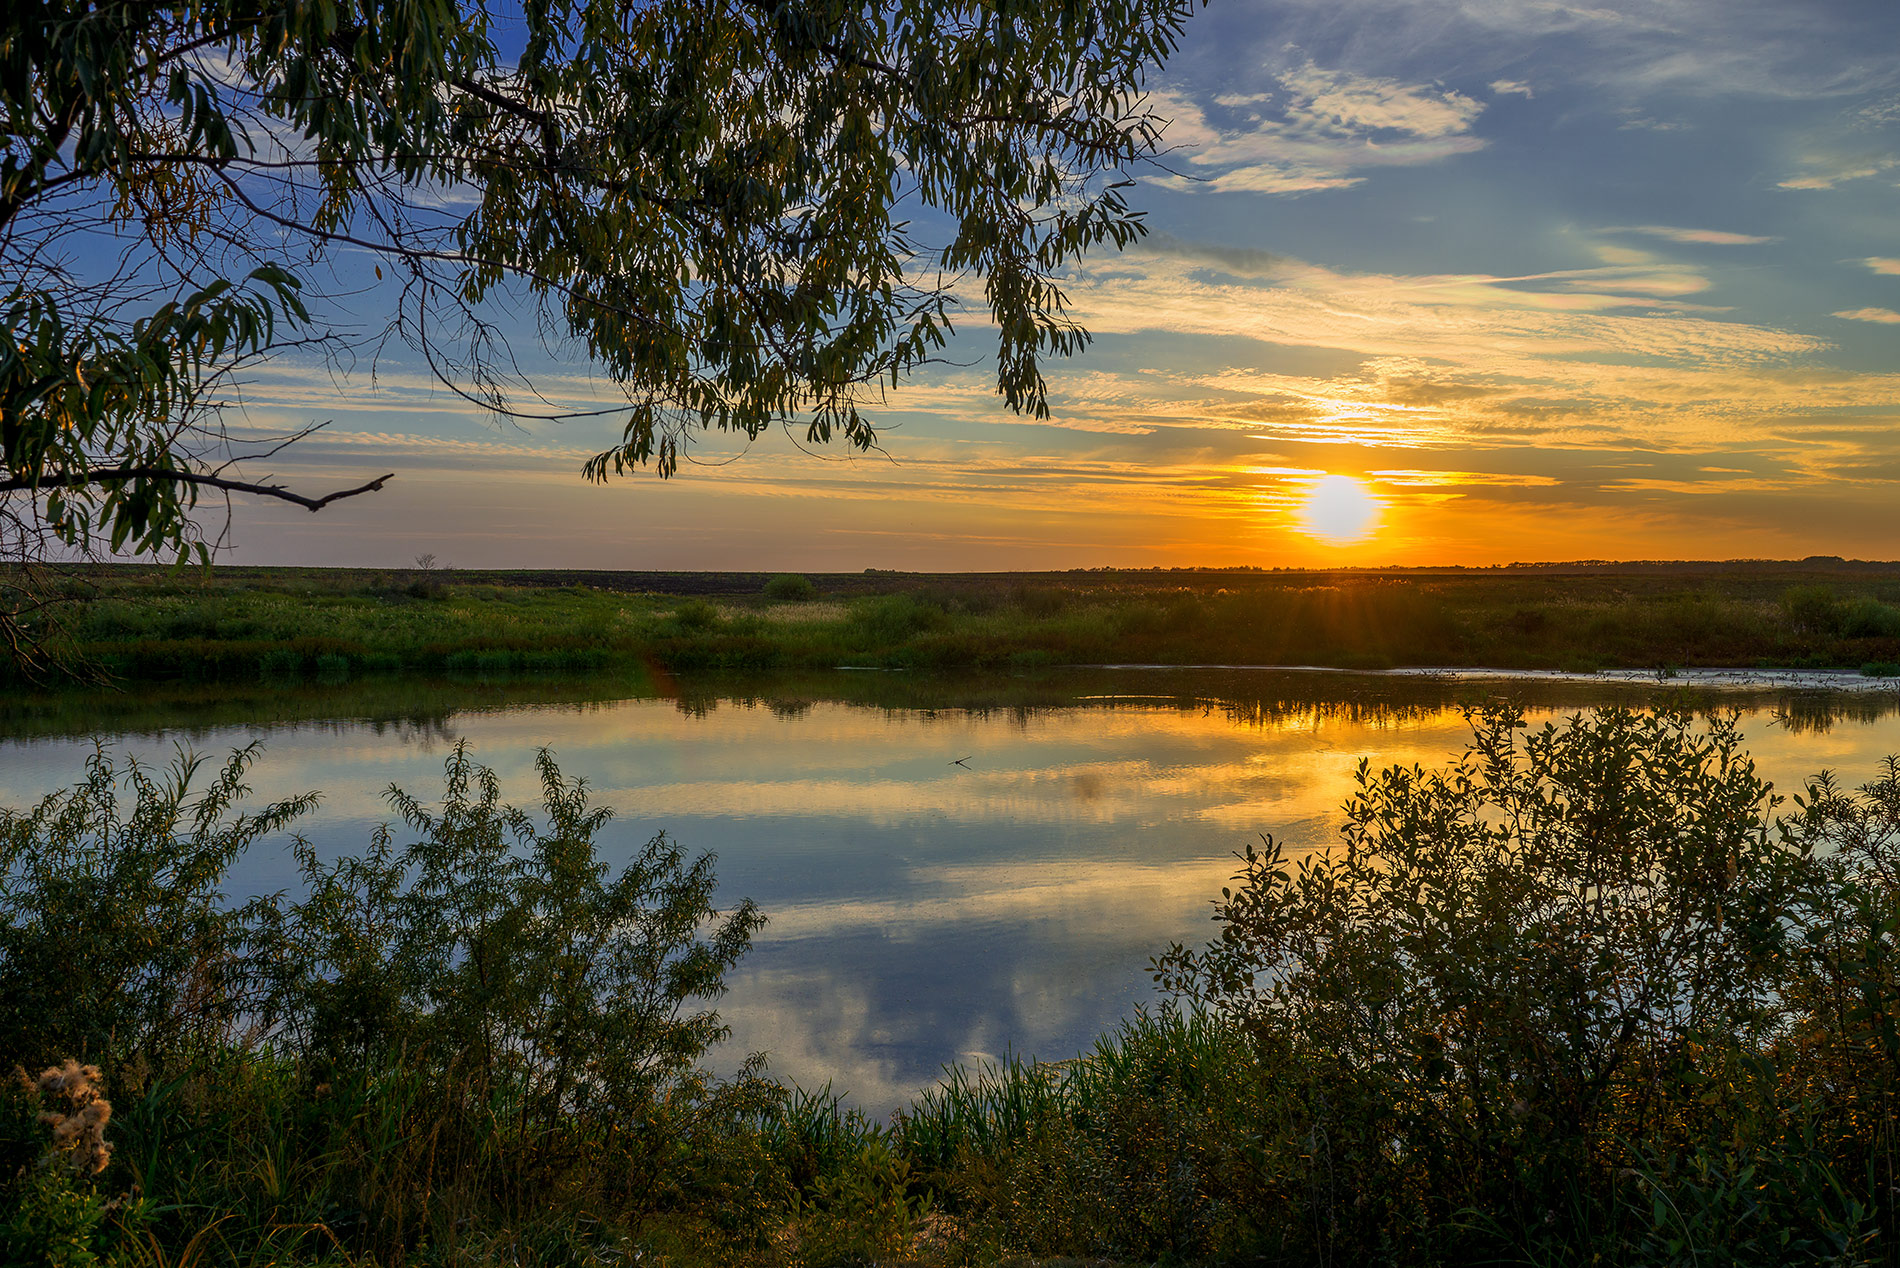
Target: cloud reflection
<point>919,912</point>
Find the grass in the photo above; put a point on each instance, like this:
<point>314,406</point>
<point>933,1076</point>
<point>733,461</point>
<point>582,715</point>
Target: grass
<point>328,627</point>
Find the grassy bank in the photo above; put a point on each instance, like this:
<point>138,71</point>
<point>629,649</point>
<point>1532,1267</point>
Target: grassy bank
<point>313,626</point>
<point>1587,995</point>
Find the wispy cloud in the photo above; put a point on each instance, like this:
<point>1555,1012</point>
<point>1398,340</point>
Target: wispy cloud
<point>1882,316</point>
<point>1881,264</point>
<point>1684,49</point>
<point>1543,316</point>
<point>1436,479</point>
<point>1319,130</point>
<point>1695,237</point>
<point>1826,171</point>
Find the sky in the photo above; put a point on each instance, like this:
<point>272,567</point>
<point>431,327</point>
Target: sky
<point>1427,282</point>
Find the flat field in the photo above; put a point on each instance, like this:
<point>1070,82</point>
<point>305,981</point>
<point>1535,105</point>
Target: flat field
<point>293,625</point>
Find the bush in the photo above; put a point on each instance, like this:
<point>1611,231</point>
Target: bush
<point>504,952</point>
<point>1563,964</point>
<point>888,620</point>
<point>116,943</point>
<point>51,1209</point>
<point>790,588</point>
<point>696,615</point>
<point>484,1036</point>
<point>1868,617</point>
<point>1142,1149</point>
<point>1813,609</point>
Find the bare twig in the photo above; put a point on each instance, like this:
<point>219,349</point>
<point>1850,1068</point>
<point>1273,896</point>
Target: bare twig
<point>107,475</point>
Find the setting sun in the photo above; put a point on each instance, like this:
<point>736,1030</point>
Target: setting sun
<point>1340,510</point>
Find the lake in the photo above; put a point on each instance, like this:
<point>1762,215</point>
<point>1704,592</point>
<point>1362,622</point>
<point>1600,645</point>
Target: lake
<point>954,870</point>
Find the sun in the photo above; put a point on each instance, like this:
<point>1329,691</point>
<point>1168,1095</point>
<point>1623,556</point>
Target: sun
<point>1340,510</point>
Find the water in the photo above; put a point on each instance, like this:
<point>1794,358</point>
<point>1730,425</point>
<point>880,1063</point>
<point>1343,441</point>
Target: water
<point>952,870</point>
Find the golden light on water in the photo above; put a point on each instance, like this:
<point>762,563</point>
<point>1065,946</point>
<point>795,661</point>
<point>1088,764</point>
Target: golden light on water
<point>1340,510</point>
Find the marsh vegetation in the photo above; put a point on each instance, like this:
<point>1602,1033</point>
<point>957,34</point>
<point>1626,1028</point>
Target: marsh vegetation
<point>282,627</point>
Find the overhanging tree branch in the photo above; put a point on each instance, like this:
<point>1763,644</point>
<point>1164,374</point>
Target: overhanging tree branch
<point>703,200</point>
<point>110,475</point>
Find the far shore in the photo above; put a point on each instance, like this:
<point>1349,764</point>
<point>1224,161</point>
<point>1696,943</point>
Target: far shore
<point>1818,624</point>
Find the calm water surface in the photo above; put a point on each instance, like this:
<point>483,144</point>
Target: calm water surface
<point>923,909</point>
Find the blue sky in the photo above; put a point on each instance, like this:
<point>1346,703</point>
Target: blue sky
<point>1548,281</point>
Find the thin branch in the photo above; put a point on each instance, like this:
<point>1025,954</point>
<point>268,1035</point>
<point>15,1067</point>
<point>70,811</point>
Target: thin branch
<point>108,475</point>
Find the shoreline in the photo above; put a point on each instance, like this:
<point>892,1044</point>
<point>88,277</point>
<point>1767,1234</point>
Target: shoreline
<point>1836,680</point>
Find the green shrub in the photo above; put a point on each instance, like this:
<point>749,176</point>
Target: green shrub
<point>696,615</point>
<point>790,588</point>
<point>116,943</point>
<point>1531,975</point>
<point>891,619</point>
<point>503,950</point>
<point>1813,609</point>
<point>1777,1205</point>
<point>474,1034</point>
<point>1868,617</point>
<point>1041,602</point>
<point>1141,1149</point>
<point>52,1211</point>
<point>55,1220</point>
<point>860,1213</point>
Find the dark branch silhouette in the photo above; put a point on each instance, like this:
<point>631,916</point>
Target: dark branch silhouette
<point>106,475</point>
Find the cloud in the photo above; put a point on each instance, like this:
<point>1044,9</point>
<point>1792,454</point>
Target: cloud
<point>1336,102</point>
<point>1637,121</point>
<point>1694,237</point>
<point>1880,264</point>
<point>1588,358</point>
<point>1827,170</point>
<point>1616,50</point>
<point>1238,261</point>
<point>1510,88</point>
<point>1879,113</point>
<point>1541,316</point>
<point>1319,131</point>
<point>1435,479</point>
<point>1883,316</point>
